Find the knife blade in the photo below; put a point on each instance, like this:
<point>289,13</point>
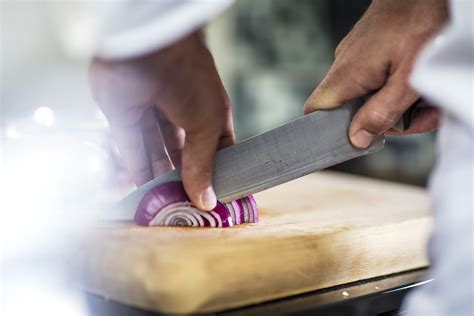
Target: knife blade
<point>305,145</point>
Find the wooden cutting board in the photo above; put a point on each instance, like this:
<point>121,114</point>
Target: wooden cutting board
<point>322,230</point>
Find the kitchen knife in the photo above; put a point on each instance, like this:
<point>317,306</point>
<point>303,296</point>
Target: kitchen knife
<point>305,145</point>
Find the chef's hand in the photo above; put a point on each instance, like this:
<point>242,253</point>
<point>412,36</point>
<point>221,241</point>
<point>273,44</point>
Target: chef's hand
<point>165,110</point>
<point>378,55</point>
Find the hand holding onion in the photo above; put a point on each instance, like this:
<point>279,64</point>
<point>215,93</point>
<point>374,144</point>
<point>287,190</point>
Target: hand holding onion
<point>167,109</point>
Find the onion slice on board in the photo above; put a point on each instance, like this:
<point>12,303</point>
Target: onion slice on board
<point>168,205</point>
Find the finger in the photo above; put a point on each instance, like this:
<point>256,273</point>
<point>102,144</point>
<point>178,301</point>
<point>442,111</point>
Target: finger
<point>425,119</point>
<point>381,112</point>
<point>127,135</point>
<point>228,135</point>
<point>331,92</point>
<point>227,139</point>
<point>207,123</point>
<point>199,153</point>
<point>347,79</point>
<point>203,130</point>
<point>194,102</point>
<point>197,167</point>
<point>159,160</point>
<point>173,138</point>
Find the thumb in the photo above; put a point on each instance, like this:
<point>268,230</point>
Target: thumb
<point>380,112</point>
<point>339,86</point>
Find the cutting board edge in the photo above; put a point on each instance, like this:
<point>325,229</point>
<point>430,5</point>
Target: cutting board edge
<point>205,306</point>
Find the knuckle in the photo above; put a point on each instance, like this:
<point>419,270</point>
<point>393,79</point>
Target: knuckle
<point>339,49</point>
<point>340,71</point>
<point>342,45</point>
<point>337,52</point>
<point>381,119</point>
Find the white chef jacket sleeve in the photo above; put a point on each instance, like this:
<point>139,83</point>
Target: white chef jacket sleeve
<point>130,28</point>
<point>444,71</point>
<point>444,75</point>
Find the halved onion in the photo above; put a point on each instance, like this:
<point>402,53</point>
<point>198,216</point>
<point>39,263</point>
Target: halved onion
<point>168,205</point>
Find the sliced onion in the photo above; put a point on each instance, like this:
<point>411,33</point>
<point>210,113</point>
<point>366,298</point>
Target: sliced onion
<point>253,208</point>
<point>235,211</point>
<point>168,205</point>
<point>249,209</point>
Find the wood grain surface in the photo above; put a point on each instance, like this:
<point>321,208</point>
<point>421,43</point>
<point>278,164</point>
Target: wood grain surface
<point>318,231</point>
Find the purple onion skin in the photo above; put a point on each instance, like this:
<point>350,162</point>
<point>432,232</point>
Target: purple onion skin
<point>154,200</point>
<point>223,214</point>
<point>239,203</point>
<point>254,207</point>
<point>173,192</point>
<point>249,201</point>
<point>237,211</point>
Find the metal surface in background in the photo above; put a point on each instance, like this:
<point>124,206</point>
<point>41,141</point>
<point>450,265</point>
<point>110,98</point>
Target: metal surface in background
<point>305,145</point>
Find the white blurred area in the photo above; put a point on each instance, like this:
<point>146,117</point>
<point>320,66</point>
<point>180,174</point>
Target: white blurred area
<point>58,167</point>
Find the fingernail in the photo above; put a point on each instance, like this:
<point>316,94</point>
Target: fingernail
<point>209,199</point>
<point>362,139</point>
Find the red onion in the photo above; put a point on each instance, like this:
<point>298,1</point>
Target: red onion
<point>168,205</point>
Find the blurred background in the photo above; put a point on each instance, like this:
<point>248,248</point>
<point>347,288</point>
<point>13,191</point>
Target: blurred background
<point>58,163</point>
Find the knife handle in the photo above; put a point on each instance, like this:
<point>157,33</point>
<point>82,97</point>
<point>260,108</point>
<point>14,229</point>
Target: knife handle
<point>405,121</point>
